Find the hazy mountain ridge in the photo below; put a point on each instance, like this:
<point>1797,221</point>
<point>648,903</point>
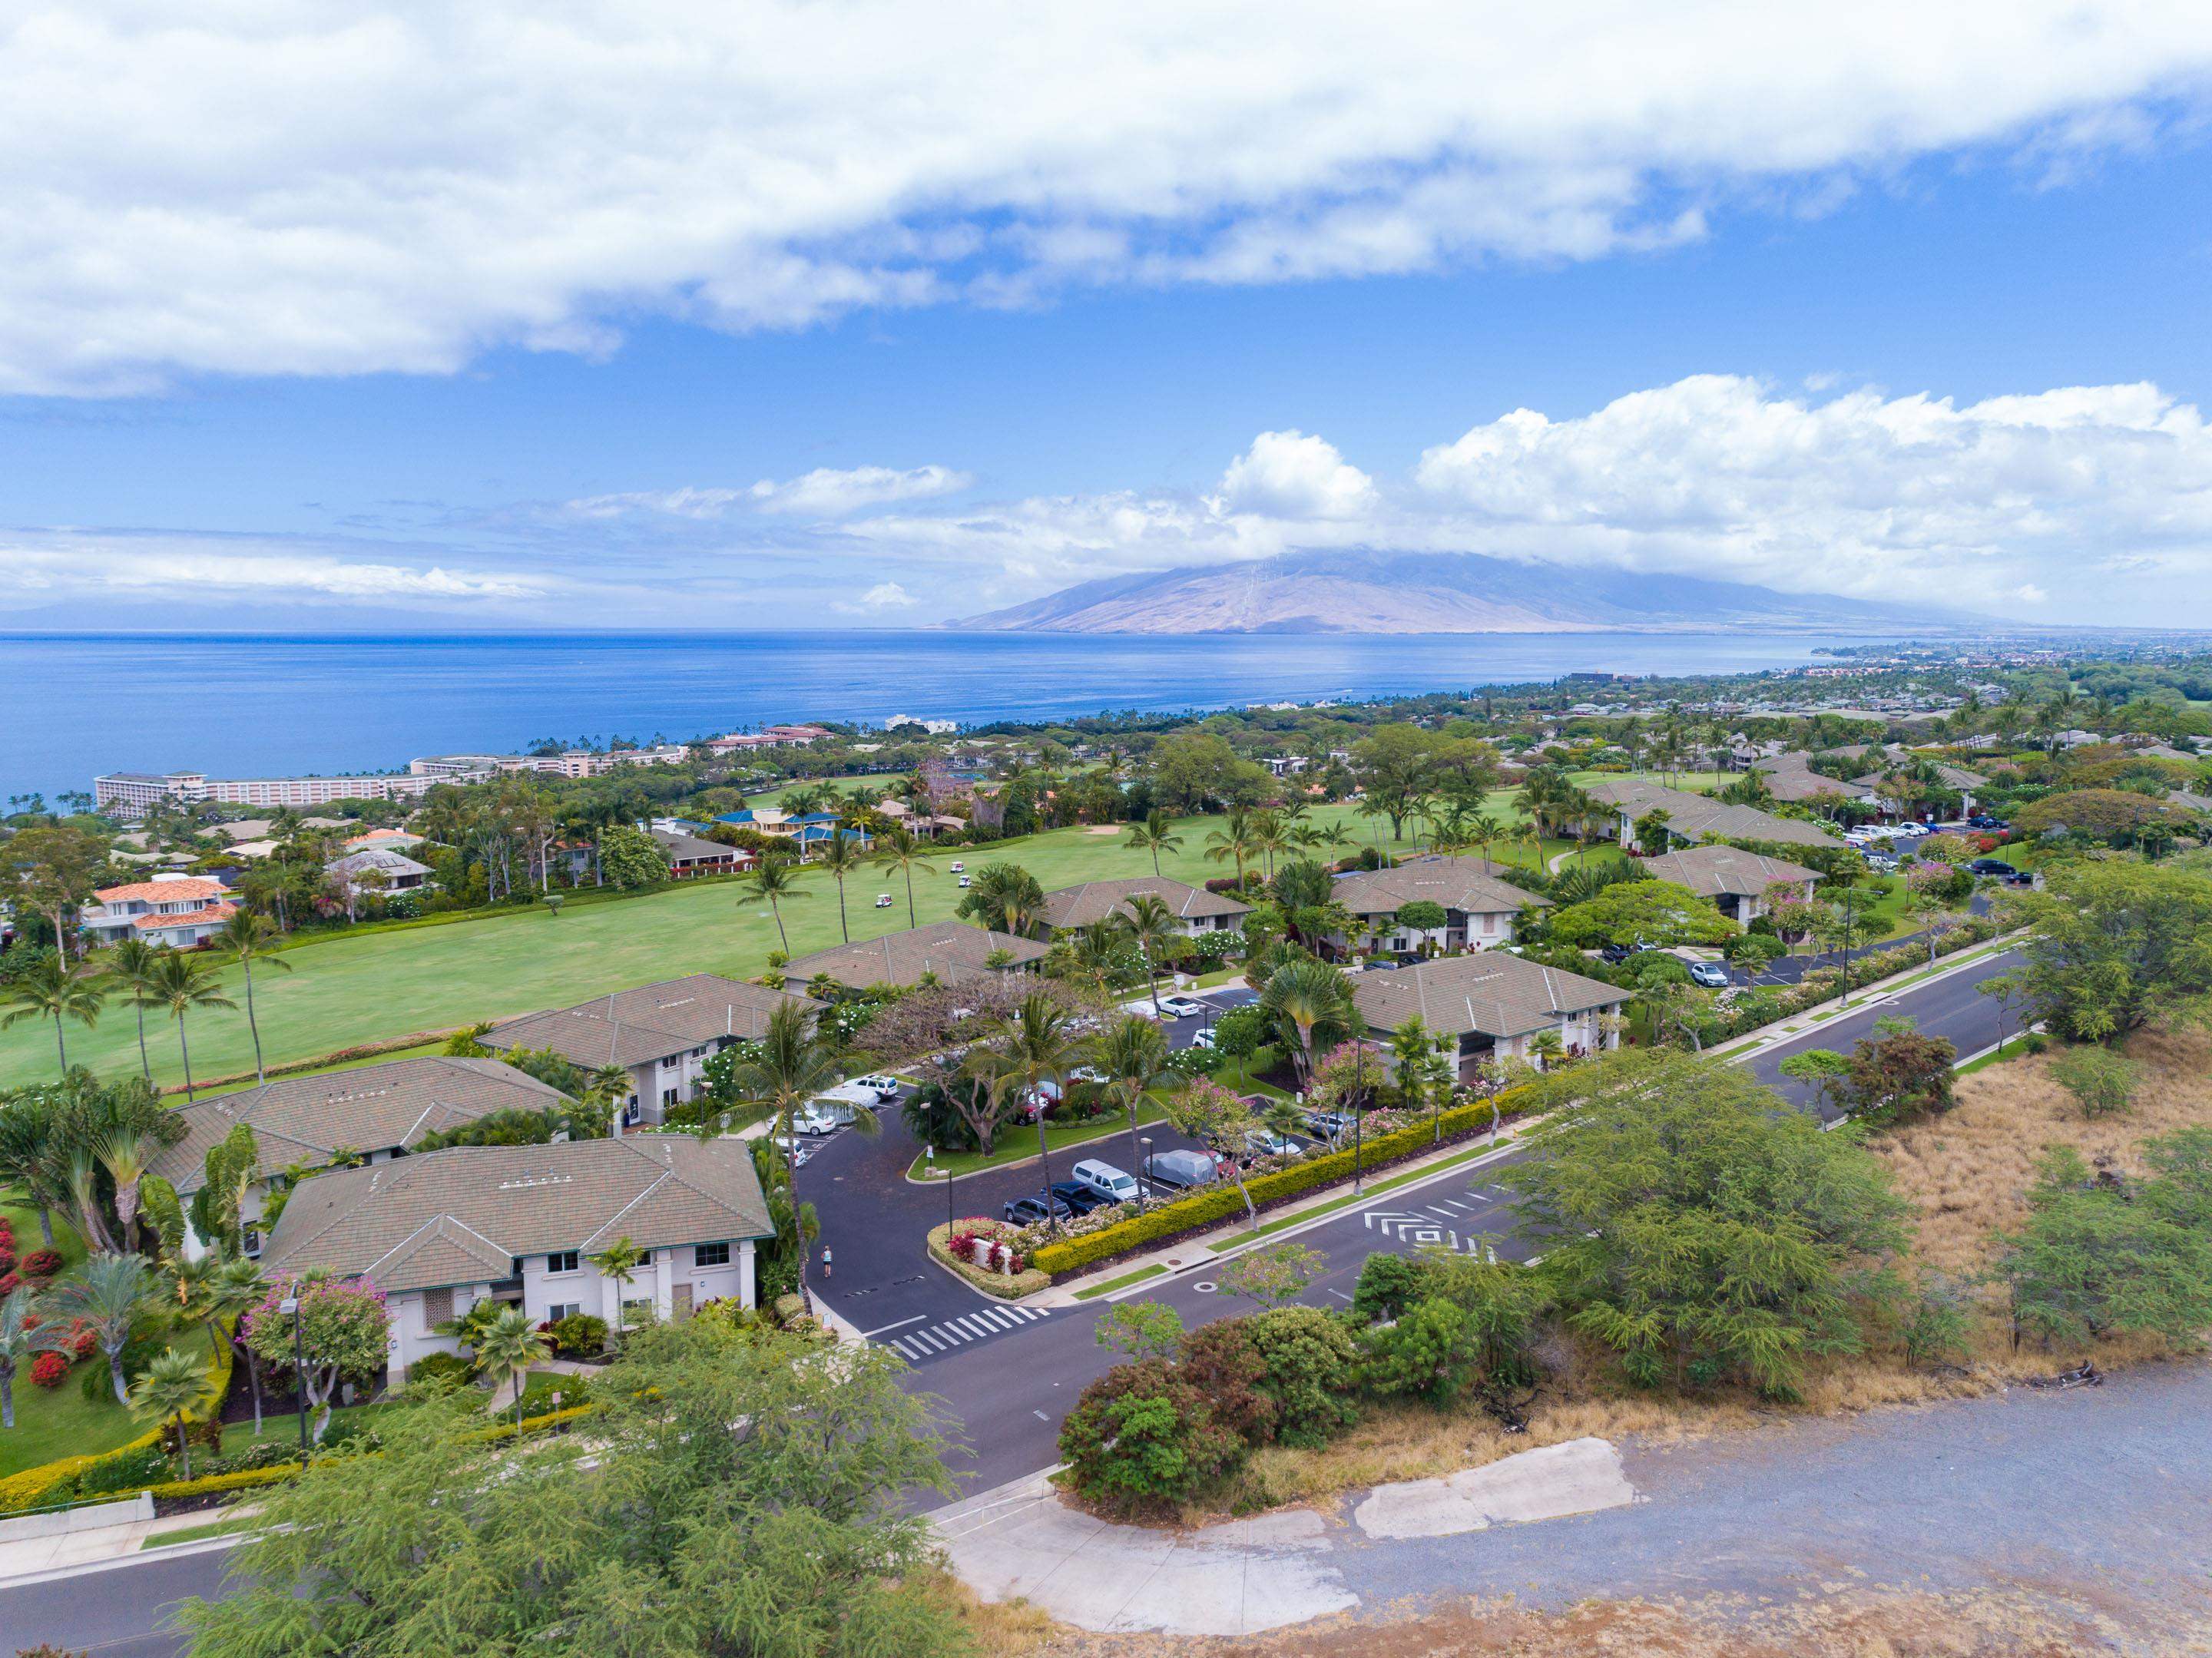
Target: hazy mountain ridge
<point>1381,592</point>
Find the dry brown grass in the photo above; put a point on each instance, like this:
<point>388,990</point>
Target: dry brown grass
<point>1967,1172</point>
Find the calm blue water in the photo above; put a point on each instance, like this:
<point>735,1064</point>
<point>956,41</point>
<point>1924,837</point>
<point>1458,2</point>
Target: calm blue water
<point>232,705</point>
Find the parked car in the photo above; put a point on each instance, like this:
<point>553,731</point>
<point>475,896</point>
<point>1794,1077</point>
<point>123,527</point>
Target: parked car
<point>1617,954</point>
<point>1983,821</point>
<point>1079,1198</point>
<point>1180,1007</point>
<point>2019,877</point>
<point>816,1119</point>
<point>1991,866</point>
<point>848,1100</point>
<point>1086,1074</point>
<point>882,1085</point>
<point>1266,1143</point>
<point>1028,1211</point>
<point>1711,974</point>
<point>1033,1102</point>
<point>1330,1126</point>
<point>1112,1185</point>
<point>1202,1038</point>
<point>1182,1171</point>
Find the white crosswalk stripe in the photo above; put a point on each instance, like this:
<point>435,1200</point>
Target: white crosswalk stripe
<point>951,1334</point>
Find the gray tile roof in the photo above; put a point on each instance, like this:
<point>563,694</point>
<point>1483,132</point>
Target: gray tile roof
<point>373,1108</point>
<point>952,951</point>
<point>1493,992</point>
<point>1710,871</point>
<point>652,1021</point>
<point>1094,900</point>
<point>1471,885</point>
<point>461,1216</point>
<point>693,847</point>
<point>1699,814</point>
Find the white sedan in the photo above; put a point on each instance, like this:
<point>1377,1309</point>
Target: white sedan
<point>1180,1007</point>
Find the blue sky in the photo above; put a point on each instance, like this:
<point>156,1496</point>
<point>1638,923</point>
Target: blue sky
<point>999,383</point>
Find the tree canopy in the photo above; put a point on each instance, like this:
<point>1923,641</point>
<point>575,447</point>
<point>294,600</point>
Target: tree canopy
<point>2112,946</point>
<point>1660,913</point>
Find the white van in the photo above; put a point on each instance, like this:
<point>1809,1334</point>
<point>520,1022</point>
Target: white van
<point>882,1085</point>
<point>1111,1184</point>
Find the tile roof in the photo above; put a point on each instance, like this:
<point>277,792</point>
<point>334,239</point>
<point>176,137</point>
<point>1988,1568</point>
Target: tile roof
<point>1700,814</point>
<point>693,846</point>
<point>1467,883</point>
<point>382,859</point>
<point>461,1216</point>
<point>1710,871</point>
<point>150,892</point>
<point>191,918</point>
<point>1094,900</point>
<point>374,1108</point>
<point>1493,992</point>
<point>650,1023</point>
<point>951,950</point>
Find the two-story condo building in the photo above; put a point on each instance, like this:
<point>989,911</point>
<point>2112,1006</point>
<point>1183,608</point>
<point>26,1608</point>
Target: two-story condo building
<point>375,1112</point>
<point>519,1225</point>
<point>1493,1004</point>
<point>1197,910</point>
<point>947,953</point>
<point>1736,881</point>
<point>661,1034</point>
<point>1481,909</point>
<point>179,911</point>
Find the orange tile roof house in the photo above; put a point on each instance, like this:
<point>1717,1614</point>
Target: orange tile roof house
<point>180,911</point>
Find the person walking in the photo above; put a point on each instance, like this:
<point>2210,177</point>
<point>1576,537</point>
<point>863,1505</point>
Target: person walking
<point>825,1263</point>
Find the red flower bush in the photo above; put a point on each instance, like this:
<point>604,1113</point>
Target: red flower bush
<point>84,1341</point>
<point>41,1263</point>
<point>50,1370</point>
<point>7,1259</point>
<point>8,1282</point>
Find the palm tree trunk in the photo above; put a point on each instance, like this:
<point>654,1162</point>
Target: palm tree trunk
<point>61,1045</point>
<point>910,921</point>
<point>184,1444</point>
<point>145,1064</point>
<point>842,926</point>
<point>45,1223</point>
<point>7,1400</point>
<point>776,911</point>
<point>259,1074</point>
<point>185,1049</point>
<point>115,1376</point>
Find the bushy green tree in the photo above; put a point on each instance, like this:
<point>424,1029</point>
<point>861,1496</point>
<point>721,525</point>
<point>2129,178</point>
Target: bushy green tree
<point>1656,912</point>
<point>733,1498</point>
<point>2112,946</point>
<point>2097,1258</point>
<point>1699,1228</point>
<point>1143,1438</point>
<point>2102,1082</point>
<point>629,858</point>
<point>1311,1367</point>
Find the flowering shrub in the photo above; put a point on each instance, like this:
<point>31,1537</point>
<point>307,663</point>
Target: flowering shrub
<point>7,1259</point>
<point>50,1370</point>
<point>83,1339</point>
<point>8,1282</point>
<point>41,1263</point>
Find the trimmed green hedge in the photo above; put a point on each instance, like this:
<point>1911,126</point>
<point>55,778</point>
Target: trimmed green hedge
<point>214,1484</point>
<point>1220,1202</point>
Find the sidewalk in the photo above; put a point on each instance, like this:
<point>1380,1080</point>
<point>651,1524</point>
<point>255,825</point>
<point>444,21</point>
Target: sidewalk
<point>33,1558</point>
<point>1753,1043</point>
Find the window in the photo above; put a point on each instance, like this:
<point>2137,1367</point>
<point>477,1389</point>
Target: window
<point>711,1255</point>
<point>667,1096</point>
<point>565,1261</point>
<point>645,1257</point>
<point>557,1310</point>
<point>437,1307</point>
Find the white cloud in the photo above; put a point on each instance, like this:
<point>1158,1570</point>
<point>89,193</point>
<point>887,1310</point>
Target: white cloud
<point>1290,475</point>
<point>326,188</point>
<point>211,571</point>
<point>884,596</point>
<point>824,492</point>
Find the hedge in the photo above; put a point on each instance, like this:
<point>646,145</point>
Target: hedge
<point>1002,1285</point>
<point>1219,1201</point>
<point>212,1485</point>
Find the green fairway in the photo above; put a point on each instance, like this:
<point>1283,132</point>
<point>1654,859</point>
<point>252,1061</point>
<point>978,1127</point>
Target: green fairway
<point>345,990</point>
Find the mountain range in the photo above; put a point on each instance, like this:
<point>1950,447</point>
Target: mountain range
<point>1384,593</point>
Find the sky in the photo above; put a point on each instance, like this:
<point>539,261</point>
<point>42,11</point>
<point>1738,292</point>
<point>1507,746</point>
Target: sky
<point>836,314</point>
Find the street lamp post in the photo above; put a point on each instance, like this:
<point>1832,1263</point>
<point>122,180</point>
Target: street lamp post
<point>289,1307</point>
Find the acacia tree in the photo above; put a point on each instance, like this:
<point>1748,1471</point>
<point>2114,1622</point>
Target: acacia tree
<point>2112,947</point>
<point>1698,1227</point>
<point>342,1331</point>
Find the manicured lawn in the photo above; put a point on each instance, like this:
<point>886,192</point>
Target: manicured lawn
<point>58,1421</point>
<point>348,990</point>
<point>198,1534</point>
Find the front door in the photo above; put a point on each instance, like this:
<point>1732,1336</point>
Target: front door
<point>682,1301</point>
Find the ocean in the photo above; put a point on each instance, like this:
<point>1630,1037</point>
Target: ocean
<point>72,705</point>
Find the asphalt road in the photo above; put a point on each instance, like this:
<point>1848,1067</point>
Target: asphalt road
<point>1003,1394</point>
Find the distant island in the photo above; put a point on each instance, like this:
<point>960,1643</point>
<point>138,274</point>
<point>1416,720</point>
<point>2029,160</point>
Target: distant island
<point>1383,593</point>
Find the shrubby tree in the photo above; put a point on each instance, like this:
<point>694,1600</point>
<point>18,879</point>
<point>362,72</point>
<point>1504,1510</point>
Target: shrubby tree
<point>629,858</point>
<point>2112,946</point>
<point>736,1497</point>
<point>1311,1364</point>
<point>1657,913</point>
<point>1144,1436</point>
<point>342,1325</point>
<point>1698,1227</point>
<point>2102,1082</point>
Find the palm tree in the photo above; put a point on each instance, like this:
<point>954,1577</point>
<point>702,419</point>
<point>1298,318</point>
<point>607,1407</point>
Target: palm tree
<point>1037,1045</point>
<point>1305,999</point>
<point>1094,949</point>
<point>18,1329</point>
<point>618,1261</point>
<point>173,1389</point>
<point>1132,1054</point>
<point>126,1154</point>
<point>108,1292</point>
<point>897,849</point>
<point>130,967</point>
<point>1483,829</point>
<point>841,856</point>
<point>32,1136</point>
<point>1267,838</point>
<point>774,879</point>
<point>505,1349</point>
<point>181,983</point>
<point>1422,1074</point>
<point>793,1064</point>
<point>236,1289</point>
<point>1152,927</point>
<point>1232,841</point>
<point>56,989</point>
<point>252,938</point>
<point>1156,835</point>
